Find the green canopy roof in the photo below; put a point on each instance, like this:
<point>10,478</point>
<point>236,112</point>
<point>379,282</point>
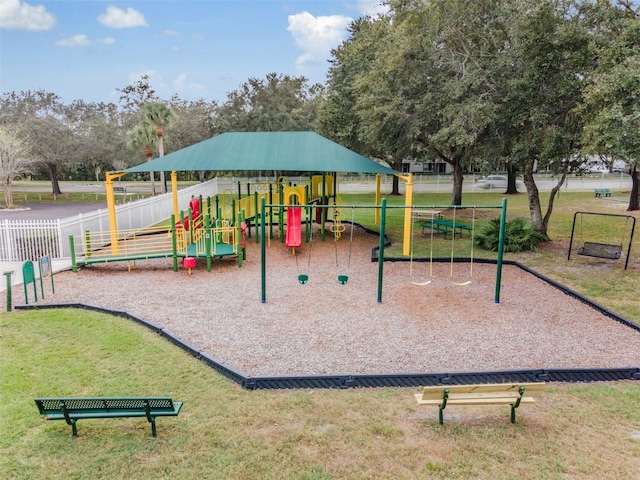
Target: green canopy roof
<point>265,151</point>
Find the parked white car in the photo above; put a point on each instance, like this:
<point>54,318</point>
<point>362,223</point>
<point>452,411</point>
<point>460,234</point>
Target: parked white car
<point>497,182</point>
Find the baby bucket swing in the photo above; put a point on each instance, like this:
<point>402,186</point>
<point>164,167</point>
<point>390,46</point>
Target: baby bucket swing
<point>453,236</point>
<point>343,278</point>
<point>304,278</point>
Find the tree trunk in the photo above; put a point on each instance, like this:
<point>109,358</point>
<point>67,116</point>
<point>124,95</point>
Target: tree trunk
<point>458,179</point>
<point>535,211</point>
<point>52,168</point>
<point>395,188</point>
<point>163,181</point>
<point>511,179</point>
<point>552,196</point>
<point>8,195</point>
<point>634,201</point>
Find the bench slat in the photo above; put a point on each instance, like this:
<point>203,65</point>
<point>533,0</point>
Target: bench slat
<point>475,401</point>
<point>436,392</point>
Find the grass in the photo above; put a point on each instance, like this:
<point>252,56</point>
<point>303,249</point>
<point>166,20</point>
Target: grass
<point>587,431</point>
<point>575,431</point>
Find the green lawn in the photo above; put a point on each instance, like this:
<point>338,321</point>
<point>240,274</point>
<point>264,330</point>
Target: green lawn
<point>576,431</point>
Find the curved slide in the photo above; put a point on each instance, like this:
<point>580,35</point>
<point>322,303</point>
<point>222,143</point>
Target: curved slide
<point>293,237</point>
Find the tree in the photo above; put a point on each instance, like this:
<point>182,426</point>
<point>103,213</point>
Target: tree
<point>44,123</point>
<point>142,140</point>
<point>157,117</point>
<point>612,107</point>
<point>194,124</point>
<point>15,161</point>
<point>277,103</point>
<point>345,113</point>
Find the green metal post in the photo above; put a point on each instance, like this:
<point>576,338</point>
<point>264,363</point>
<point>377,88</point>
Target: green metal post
<point>8,275</point>
<point>383,217</point>
<point>87,243</point>
<point>263,252</point>
<point>503,221</point>
<point>325,211</point>
<point>233,212</point>
<point>207,240</point>
<point>255,217</point>
<point>239,239</point>
<point>72,250</point>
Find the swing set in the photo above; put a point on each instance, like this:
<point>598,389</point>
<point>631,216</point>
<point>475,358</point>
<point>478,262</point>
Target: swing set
<point>454,226</point>
<point>602,247</point>
<point>343,276</point>
<point>337,228</point>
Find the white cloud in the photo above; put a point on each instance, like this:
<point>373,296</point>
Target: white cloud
<point>82,40</point>
<point>118,18</point>
<point>15,15</point>
<point>181,85</point>
<point>170,33</point>
<point>316,36</point>
<point>372,7</point>
<point>75,41</point>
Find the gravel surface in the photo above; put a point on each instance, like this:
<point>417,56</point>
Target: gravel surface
<point>323,327</point>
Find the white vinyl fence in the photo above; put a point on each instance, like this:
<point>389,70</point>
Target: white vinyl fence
<point>22,240</point>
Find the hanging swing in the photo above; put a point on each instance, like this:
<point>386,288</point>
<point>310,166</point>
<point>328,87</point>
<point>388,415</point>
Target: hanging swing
<point>453,235</point>
<point>601,250</point>
<point>427,282</point>
<point>607,251</point>
<point>304,278</point>
<point>344,278</point>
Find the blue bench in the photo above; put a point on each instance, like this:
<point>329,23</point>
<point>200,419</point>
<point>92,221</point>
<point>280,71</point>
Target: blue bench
<point>602,192</point>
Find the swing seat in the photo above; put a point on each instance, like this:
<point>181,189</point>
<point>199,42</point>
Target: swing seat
<point>303,279</point>
<point>343,279</point>
<point>600,250</point>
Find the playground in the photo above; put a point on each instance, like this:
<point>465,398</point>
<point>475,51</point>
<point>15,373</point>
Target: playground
<point>324,327</point>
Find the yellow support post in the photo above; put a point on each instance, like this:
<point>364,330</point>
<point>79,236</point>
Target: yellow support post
<point>376,215</point>
<point>408,203</point>
<point>174,193</point>
<point>111,208</point>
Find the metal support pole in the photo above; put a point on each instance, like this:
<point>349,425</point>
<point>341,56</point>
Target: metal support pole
<point>503,221</point>
<point>8,275</point>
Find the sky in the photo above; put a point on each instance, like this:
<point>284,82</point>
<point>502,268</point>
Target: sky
<point>197,49</point>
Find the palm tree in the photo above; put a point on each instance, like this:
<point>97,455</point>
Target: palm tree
<point>159,117</point>
<point>142,139</point>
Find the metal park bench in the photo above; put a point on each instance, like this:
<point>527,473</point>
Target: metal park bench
<point>444,226</point>
<point>512,394</point>
<point>602,192</point>
<point>73,409</point>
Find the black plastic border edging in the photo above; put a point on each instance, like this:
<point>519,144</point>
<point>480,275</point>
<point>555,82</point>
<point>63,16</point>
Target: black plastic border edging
<point>384,380</point>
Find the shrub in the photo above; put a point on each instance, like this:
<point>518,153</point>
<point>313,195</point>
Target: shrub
<point>519,236</point>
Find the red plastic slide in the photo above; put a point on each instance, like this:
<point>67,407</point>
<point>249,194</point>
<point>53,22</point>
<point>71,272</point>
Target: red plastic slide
<point>294,227</point>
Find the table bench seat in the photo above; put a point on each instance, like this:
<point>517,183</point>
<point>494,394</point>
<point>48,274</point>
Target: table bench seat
<point>600,192</point>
